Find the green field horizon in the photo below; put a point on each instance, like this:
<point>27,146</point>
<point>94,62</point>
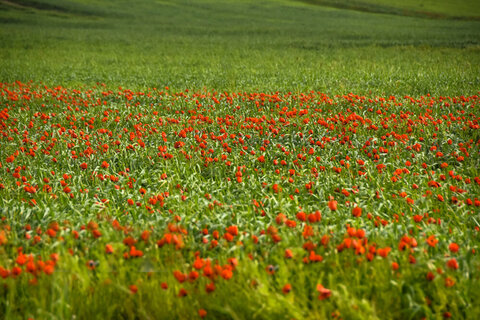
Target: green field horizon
<point>238,45</point>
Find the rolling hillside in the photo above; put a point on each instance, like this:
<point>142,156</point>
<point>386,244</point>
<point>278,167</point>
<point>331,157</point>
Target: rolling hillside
<point>287,45</point>
<point>442,9</point>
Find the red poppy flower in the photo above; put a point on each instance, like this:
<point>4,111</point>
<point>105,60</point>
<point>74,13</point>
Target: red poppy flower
<point>357,212</point>
<point>432,241</point>
<point>108,249</point>
<point>453,247</point>
<point>449,282</point>
<point>430,276</point>
<point>210,287</point>
<point>202,313</point>
<point>182,293</point>
<point>332,204</point>
<point>91,264</point>
<point>324,292</point>
<point>383,252</point>
<point>452,263</point>
<point>133,288</point>
<point>271,269</point>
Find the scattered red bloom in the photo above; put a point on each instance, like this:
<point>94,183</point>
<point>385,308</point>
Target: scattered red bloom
<point>287,288</point>
<point>133,288</point>
<point>332,204</point>
<point>324,293</point>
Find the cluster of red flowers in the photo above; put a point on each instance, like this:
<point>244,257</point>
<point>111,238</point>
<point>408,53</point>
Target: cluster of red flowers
<point>214,172</point>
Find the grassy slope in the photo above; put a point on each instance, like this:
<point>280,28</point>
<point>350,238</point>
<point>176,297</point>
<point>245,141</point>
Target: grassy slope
<point>461,9</point>
<point>231,45</point>
<point>455,8</point>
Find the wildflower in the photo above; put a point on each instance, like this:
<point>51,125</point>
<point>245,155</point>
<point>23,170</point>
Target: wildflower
<point>276,188</point>
<point>92,264</point>
<point>383,252</point>
<point>202,313</point>
<point>233,230</point>
<point>452,263</point>
<point>324,293</point>
<point>210,287</point>
<point>453,247</point>
<point>449,282</point>
<point>301,216</point>
<point>182,293</point>
<point>432,241</point>
<point>145,235</point>
<point>133,289</point>
<point>332,204</point>
<point>281,218</point>
<point>430,276</point>
<point>4,273</point>
<point>357,212</point>
<point>271,269</point>
<point>16,271</point>
<point>108,249</point>
<point>227,273</point>
<point>21,259</point>
<point>179,276</point>
<point>49,268</point>
<point>193,275</point>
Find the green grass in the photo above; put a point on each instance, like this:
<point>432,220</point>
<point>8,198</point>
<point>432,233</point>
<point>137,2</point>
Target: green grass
<point>246,45</point>
<point>451,9</point>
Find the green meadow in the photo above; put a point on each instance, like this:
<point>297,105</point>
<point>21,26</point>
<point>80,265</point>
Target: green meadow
<point>241,45</point>
<point>460,10</point>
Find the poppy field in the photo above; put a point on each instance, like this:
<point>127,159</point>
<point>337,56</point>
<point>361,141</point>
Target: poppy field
<point>210,204</point>
<point>267,159</point>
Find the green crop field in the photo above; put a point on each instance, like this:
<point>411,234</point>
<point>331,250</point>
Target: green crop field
<point>287,159</point>
<point>461,10</point>
<point>237,45</point>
